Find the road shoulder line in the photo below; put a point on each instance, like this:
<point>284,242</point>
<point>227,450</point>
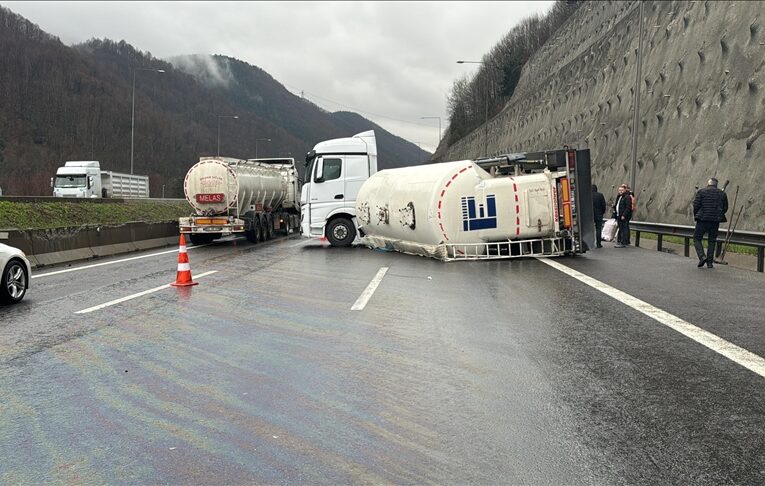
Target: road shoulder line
<point>738,355</point>
<point>94,265</point>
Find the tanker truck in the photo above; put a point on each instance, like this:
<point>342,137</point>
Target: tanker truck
<point>255,197</point>
<point>515,205</point>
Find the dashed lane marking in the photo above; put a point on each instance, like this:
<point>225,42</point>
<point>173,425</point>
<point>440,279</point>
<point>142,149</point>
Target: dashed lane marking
<point>134,296</point>
<point>361,302</point>
<point>717,344</point>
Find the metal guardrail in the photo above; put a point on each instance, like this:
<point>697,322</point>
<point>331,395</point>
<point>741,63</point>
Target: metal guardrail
<point>745,238</point>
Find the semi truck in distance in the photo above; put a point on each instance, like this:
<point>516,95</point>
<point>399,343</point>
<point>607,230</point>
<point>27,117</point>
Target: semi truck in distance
<point>335,171</point>
<point>514,205</point>
<point>85,179</point>
<point>255,197</point>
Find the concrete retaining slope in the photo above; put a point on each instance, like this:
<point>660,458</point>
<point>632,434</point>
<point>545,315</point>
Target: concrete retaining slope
<point>701,111</point>
<point>59,245</point>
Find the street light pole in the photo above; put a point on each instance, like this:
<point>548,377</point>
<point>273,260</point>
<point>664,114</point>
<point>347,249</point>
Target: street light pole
<point>132,118</point>
<point>256,144</point>
<point>219,117</point>
<point>439,124</point>
<point>486,109</point>
<point>638,74</point>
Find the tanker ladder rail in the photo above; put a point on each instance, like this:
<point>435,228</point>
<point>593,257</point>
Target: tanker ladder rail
<point>498,250</point>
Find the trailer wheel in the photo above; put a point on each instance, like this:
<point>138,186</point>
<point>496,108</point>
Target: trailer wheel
<point>264,229</point>
<point>270,224</point>
<point>341,232</point>
<point>251,235</point>
<point>284,227</point>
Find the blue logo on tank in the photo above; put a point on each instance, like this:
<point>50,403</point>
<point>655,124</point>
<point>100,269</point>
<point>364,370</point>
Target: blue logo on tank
<point>483,217</point>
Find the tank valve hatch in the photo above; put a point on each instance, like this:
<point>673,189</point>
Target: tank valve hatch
<point>363,215</point>
<point>382,215</point>
<point>407,216</point>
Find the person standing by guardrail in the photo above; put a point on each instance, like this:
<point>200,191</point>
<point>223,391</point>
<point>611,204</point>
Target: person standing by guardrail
<point>623,214</point>
<point>598,210</point>
<point>709,208</point>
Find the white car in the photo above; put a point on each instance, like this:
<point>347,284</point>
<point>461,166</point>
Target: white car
<point>15,277</point>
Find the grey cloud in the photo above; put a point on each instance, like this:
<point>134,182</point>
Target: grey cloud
<point>395,59</point>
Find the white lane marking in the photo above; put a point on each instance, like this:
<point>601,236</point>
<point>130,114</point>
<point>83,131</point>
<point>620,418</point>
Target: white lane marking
<point>40,275</point>
<point>717,344</point>
<point>361,302</point>
<point>139,294</point>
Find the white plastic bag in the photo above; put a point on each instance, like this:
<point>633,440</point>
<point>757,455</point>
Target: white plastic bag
<point>610,228</point>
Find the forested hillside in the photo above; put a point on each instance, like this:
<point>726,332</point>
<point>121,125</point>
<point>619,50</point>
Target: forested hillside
<point>62,103</point>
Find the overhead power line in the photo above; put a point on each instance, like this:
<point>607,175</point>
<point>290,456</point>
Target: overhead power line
<point>305,94</point>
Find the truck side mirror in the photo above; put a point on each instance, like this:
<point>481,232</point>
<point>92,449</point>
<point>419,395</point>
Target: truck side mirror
<point>319,171</point>
<point>90,182</point>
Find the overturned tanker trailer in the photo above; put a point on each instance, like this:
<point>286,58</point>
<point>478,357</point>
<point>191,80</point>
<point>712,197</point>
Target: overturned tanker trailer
<point>514,205</point>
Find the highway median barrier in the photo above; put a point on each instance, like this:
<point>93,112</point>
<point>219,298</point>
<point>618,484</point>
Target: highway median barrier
<point>61,245</point>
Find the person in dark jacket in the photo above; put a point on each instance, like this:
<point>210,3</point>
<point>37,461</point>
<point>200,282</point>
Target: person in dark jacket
<point>623,214</point>
<point>709,208</point>
<point>598,210</point>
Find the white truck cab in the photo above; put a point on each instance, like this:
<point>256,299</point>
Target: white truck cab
<point>78,178</point>
<point>85,179</point>
<point>335,171</point>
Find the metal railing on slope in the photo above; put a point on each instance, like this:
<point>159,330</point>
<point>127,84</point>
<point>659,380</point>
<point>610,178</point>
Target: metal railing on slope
<point>745,238</point>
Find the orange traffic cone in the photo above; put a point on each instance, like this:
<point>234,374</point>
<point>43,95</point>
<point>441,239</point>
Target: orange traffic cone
<point>184,269</point>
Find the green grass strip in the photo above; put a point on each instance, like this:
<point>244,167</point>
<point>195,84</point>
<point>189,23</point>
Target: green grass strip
<point>42,215</point>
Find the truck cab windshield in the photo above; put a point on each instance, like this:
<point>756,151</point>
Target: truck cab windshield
<point>70,181</point>
<point>309,167</point>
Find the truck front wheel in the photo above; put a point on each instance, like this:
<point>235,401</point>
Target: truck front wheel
<point>341,232</point>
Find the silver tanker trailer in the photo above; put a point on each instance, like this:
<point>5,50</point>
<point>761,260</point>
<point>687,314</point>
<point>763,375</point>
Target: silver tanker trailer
<point>255,197</point>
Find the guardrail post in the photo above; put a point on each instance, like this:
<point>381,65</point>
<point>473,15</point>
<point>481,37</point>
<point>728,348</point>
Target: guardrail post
<point>659,238</point>
<point>637,238</point>
<point>687,246</point>
<point>760,258</point>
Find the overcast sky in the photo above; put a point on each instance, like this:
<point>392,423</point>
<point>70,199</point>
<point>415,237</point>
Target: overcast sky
<point>392,62</point>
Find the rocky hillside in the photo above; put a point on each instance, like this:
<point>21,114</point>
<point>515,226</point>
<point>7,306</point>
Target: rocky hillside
<point>62,103</point>
<point>701,102</point>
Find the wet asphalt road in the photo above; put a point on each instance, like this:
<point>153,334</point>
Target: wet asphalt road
<point>463,373</point>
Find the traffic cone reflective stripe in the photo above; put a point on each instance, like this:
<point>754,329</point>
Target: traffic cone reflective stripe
<point>183,279</point>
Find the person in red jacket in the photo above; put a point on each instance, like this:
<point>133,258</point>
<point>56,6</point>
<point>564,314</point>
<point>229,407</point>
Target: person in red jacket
<point>709,208</point>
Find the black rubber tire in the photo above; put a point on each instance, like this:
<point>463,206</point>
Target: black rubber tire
<point>341,232</point>
<point>264,229</point>
<point>14,281</point>
<point>251,235</point>
<point>285,229</point>
<point>270,225</point>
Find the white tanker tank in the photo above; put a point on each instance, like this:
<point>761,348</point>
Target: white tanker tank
<point>457,210</point>
<point>230,196</point>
